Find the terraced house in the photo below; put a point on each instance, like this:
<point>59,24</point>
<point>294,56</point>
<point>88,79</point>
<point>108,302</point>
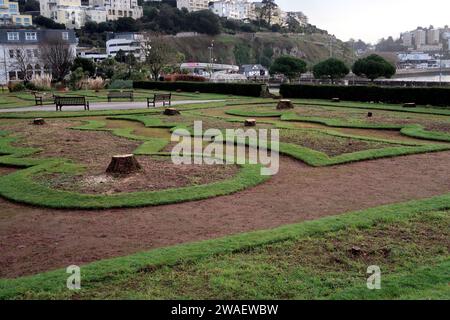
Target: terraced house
<point>20,51</point>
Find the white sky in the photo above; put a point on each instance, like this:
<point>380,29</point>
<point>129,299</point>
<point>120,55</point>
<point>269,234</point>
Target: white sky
<point>371,20</point>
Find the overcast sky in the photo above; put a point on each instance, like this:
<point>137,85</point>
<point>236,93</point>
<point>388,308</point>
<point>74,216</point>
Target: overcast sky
<point>371,20</point>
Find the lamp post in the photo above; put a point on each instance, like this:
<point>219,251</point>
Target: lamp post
<point>211,58</point>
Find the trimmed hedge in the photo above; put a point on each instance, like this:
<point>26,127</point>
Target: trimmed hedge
<point>238,89</point>
<point>422,96</point>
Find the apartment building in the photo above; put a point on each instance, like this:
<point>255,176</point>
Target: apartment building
<point>10,14</point>
<point>116,9</point>
<point>420,38</point>
<point>73,14</point>
<point>234,9</point>
<point>193,5</point>
<point>433,36</point>
<point>19,48</point>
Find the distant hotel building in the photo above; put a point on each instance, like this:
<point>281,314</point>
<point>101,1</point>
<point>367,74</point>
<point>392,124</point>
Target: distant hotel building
<point>193,5</point>
<point>26,44</point>
<point>73,14</point>
<point>129,43</point>
<point>10,14</point>
<point>234,9</point>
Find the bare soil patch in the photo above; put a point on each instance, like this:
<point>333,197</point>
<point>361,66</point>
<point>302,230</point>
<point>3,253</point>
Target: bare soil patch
<point>34,239</point>
<point>156,174</point>
<point>328,144</point>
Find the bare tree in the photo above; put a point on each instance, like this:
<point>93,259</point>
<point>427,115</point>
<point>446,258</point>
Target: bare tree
<point>157,54</point>
<point>58,55</point>
<point>22,60</point>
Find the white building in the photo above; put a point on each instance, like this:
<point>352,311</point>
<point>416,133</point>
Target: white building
<point>234,9</point>
<point>19,51</point>
<point>407,39</point>
<point>433,36</point>
<point>74,15</point>
<point>193,5</point>
<point>125,42</point>
<point>420,38</point>
<point>116,9</point>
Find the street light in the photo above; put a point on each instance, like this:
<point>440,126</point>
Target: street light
<point>211,57</point>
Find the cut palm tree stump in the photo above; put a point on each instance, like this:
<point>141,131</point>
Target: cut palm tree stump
<point>285,104</point>
<point>409,105</point>
<point>335,100</point>
<point>250,123</point>
<point>171,112</point>
<point>123,164</point>
<point>38,122</point>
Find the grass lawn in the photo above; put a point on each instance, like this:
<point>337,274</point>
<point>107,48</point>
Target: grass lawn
<point>319,258</point>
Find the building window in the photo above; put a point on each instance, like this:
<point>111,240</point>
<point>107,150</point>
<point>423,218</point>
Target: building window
<point>65,36</point>
<point>12,75</point>
<point>29,53</point>
<point>30,36</point>
<point>36,53</point>
<point>11,53</point>
<point>13,36</point>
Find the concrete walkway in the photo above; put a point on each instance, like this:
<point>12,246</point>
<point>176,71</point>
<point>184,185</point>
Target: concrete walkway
<point>106,106</point>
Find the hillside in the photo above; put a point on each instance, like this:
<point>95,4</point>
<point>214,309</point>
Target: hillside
<point>248,48</point>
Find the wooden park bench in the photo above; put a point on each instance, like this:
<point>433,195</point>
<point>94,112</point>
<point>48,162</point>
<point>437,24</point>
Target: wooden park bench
<point>120,95</point>
<point>71,101</point>
<point>41,97</point>
<point>164,98</point>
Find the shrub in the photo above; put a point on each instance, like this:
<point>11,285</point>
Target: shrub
<point>16,86</point>
<point>238,89</point>
<point>121,84</point>
<point>423,96</point>
<point>96,83</point>
<point>184,77</point>
<point>42,82</point>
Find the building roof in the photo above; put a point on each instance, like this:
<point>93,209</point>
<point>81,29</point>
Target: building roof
<point>41,35</point>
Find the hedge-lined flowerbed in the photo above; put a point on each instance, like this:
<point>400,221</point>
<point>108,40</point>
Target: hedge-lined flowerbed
<point>238,89</point>
<point>422,96</point>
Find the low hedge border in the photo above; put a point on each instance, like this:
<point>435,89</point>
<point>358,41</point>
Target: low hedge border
<point>53,283</point>
<point>237,89</point>
<point>396,95</point>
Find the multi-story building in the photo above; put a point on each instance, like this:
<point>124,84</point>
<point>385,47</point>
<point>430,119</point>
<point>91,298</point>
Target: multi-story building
<point>420,38</point>
<point>10,14</point>
<point>125,42</point>
<point>116,9</point>
<point>19,51</point>
<point>433,36</point>
<point>234,9</point>
<point>407,39</point>
<point>299,16</point>
<point>74,15</point>
<point>193,5</point>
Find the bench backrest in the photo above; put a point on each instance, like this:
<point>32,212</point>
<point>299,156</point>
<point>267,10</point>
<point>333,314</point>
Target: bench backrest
<point>162,96</point>
<point>120,93</point>
<point>74,100</point>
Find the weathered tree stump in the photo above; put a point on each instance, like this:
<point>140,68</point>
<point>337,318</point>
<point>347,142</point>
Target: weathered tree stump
<point>250,123</point>
<point>285,104</point>
<point>336,100</point>
<point>171,112</point>
<point>38,122</point>
<point>409,105</point>
<point>123,164</point>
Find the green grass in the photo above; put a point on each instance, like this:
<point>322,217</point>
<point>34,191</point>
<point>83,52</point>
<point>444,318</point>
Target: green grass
<point>261,265</point>
<point>20,187</point>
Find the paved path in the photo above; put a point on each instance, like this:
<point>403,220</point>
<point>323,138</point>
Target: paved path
<point>106,106</point>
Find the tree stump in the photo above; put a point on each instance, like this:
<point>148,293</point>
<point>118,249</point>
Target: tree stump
<point>171,112</point>
<point>285,104</point>
<point>250,123</point>
<point>409,105</point>
<point>123,164</point>
<point>335,100</point>
<point>38,122</point>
